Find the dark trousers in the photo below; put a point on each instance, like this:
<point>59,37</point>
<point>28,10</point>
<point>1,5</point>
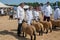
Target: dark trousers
<point>20,27</point>
<point>46,18</point>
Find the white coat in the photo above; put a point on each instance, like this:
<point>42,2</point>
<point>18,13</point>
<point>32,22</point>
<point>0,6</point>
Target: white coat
<point>57,14</point>
<point>20,14</point>
<point>42,8</point>
<point>48,11</point>
<point>29,16</point>
<point>36,15</point>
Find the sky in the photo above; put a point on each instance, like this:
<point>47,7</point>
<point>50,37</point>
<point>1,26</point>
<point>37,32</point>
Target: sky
<point>19,1</point>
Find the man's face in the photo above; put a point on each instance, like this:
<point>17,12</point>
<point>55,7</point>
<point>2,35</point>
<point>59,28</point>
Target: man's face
<point>48,4</point>
<point>30,7</point>
<point>37,8</point>
<point>22,5</point>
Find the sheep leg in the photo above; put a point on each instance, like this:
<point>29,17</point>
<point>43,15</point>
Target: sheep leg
<point>34,36</point>
<point>23,34</point>
<point>46,30</point>
<point>50,29</point>
<point>41,31</point>
<point>31,37</point>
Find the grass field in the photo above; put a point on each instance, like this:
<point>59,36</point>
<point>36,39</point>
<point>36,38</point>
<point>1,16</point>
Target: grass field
<point>8,31</point>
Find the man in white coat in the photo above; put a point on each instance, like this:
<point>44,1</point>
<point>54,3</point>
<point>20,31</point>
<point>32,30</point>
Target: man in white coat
<point>29,15</point>
<point>36,13</point>
<point>20,16</point>
<point>47,12</point>
<point>42,7</point>
<point>57,13</point>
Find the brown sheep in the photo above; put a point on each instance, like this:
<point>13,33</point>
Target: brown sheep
<point>55,23</point>
<point>30,30</point>
<point>47,26</point>
<point>39,27</point>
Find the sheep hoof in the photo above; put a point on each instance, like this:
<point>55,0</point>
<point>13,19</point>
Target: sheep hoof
<point>46,31</point>
<point>50,30</point>
<point>39,33</point>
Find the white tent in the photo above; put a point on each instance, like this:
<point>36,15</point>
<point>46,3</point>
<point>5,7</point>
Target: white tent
<point>4,6</point>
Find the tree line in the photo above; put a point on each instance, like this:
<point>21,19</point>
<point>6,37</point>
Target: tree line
<point>36,4</point>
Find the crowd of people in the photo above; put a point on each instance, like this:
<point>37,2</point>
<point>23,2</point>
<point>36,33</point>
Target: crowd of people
<point>3,11</point>
<point>32,13</point>
<point>11,12</point>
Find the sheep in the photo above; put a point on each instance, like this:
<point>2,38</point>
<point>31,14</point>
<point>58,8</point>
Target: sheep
<point>50,26</point>
<point>47,25</point>
<point>39,27</point>
<point>55,23</point>
<point>30,30</point>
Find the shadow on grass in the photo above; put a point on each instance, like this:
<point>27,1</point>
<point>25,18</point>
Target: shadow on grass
<point>5,32</point>
<point>57,29</point>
